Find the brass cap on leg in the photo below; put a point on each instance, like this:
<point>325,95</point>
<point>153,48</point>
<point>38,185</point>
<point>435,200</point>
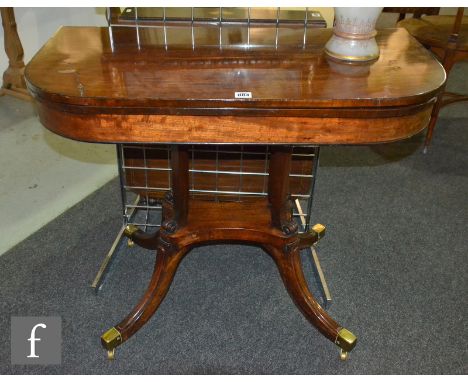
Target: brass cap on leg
<point>346,340</point>
<point>111,339</point>
<point>319,229</point>
<point>130,230</point>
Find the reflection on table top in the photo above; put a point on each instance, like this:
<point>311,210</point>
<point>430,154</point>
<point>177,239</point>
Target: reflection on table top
<point>126,67</point>
<point>226,15</point>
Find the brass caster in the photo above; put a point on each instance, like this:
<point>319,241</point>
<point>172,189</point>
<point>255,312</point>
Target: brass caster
<point>130,229</point>
<point>111,354</point>
<point>346,341</point>
<point>319,229</point>
<point>343,355</point>
<point>311,237</point>
<point>110,340</point>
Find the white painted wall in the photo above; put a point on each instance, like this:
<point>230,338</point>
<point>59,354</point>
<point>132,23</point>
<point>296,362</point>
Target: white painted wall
<point>36,25</point>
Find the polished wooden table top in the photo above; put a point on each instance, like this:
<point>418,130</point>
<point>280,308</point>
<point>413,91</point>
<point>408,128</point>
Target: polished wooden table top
<point>289,76</point>
<point>130,73</point>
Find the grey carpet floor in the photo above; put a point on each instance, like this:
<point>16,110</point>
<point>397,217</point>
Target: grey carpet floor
<point>395,257</point>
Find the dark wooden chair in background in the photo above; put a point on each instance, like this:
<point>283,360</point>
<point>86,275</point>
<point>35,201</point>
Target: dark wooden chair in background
<point>447,38</point>
<point>417,12</point>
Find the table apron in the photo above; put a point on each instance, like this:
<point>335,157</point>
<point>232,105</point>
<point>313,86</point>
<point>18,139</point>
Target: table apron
<point>122,128</point>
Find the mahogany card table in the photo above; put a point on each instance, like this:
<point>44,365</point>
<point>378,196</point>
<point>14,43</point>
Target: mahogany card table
<point>122,85</point>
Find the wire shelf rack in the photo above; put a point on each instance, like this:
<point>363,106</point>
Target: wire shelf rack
<point>216,172</point>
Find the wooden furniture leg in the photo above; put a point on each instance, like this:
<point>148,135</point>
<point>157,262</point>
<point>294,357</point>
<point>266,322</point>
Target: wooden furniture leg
<point>447,63</point>
<point>167,260</point>
<point>290,268</point>
<point>287,258</point>
<point>141,238</point>
<point>448,59</point>
<point>168,255</point>
<point>432,123</point>
<point>13,77</point>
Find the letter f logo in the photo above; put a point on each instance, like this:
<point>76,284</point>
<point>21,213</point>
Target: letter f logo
<point>33,340</point>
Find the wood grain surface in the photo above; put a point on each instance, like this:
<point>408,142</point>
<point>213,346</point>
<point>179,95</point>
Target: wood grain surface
<point>77,66</point>
<point>95,85</point>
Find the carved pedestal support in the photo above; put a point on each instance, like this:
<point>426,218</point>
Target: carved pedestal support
<point>267,223</point>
